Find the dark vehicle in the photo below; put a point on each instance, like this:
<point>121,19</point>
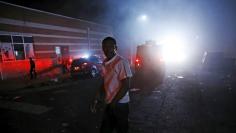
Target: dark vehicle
<point>212,61</point>
<point>216,62</point>
<point>86,67</point>
<point>149,64</point>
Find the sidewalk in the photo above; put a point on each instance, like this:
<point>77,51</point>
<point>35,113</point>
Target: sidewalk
<point>44,78</point>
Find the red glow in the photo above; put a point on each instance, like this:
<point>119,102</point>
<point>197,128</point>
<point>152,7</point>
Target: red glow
<point>138,61</point>
<point>21,68</point>
<point>70,60</point>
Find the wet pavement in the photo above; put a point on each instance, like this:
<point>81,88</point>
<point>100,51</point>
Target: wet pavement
<point>187,103</point>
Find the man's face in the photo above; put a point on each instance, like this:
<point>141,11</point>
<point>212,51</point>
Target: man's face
<point>109,50</point>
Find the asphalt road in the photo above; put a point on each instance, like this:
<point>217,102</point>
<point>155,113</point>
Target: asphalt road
<point>184,103</point>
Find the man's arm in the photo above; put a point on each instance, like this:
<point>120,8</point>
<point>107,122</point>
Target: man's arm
<point>100,94</point>
<point>125,85</point>
<point>99,97</point>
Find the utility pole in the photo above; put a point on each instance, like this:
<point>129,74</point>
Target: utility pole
<point>1,70</point>
<point>88,32</point>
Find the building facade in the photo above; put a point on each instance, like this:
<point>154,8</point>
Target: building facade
<point>44,36</point>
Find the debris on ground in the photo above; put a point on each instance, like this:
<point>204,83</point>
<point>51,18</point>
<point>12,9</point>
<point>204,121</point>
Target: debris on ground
<point>54,79</point>
<point>180,77</point>
<point>17,97</point>
<point>65,124</point>
<point>156,91</point>
<point>134,89</point>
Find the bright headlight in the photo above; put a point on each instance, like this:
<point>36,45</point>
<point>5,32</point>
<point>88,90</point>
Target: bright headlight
<point>174,50</point>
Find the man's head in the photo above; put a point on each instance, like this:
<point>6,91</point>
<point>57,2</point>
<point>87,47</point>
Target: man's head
<point>30,58</point>
<point>109,47</point>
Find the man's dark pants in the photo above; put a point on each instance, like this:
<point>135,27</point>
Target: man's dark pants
<point>115,117</point>
<point>33,73</point>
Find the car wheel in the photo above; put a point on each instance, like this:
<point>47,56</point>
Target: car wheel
<point>93,73</point>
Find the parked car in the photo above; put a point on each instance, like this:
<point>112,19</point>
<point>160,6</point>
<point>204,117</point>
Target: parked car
<point>86,67</point>
<point>216,62</point>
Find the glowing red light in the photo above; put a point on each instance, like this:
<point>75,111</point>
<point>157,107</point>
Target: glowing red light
<point>70,60</point>
<point>137,62</point>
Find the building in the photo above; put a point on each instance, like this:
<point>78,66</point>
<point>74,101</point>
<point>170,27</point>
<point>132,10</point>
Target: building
<point>47,37</point>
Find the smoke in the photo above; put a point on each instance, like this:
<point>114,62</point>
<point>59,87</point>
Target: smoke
<point>211,21</point>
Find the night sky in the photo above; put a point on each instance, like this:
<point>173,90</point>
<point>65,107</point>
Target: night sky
<point>213,21</point>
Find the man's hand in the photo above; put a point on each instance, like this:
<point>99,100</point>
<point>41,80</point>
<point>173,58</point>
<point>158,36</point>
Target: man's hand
<point>98,99</point>
<point>122,92</point>
<point>97,105</point>
<point>93,106</point>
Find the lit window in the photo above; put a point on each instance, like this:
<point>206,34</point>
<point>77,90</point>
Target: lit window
<point>29,51</point>
<point>6,48</point>
<point>19,51</point>
<point>16,47</point>
<point>58,50</point>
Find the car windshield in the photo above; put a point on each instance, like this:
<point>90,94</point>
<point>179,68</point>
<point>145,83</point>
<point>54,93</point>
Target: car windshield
<point>79,61</point>
<point>95,59</point>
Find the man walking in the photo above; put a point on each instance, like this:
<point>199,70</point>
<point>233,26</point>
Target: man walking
<point>32,68</point>
<point>117,75</point>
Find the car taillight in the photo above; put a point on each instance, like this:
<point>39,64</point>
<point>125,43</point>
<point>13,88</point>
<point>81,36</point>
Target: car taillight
<point>76,68</point>
<point>137,61</point>
<point>70,60</point>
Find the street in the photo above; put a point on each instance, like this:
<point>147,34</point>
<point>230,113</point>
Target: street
<point>184,103</point>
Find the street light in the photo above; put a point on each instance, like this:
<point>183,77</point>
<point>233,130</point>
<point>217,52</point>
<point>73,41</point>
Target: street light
<point>143,18</point>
